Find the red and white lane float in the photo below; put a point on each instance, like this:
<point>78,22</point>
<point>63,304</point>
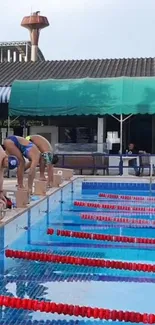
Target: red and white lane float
<point>114,207</point>
<point>127,197</point>
<point>132,221</point>
<point>76,310</point>
<point>103,237</point>
<point>82,261</point>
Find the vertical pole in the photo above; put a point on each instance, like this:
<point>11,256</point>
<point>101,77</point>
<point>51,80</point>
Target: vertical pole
<point>8,126</point>
<point>1,55</point>
<point>121,134</point>
<point>100,126</point>
<point>151,173</point>
<point>24,129</point>
<point>121,145</point>
<point>14,56</point>
<point>26,54</point>
<point>48,211</point>
<point>9,55</point>
<point>8,133</point>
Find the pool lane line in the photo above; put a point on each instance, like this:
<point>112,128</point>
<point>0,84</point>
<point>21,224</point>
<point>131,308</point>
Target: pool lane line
<point>79,261</point>
<point>105,218</point>
<point>118,207</point>
<point>88,225</point>
<point>90,245</point>
<point>101,226</point>
<point>127,198</point>
<point>52,307</point>
<point>74,278</point>
<point>101,237</point>
<point>118,212</point>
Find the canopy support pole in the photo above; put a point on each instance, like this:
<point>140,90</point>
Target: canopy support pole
<point>121,121</point>
<point>9,124</point>
<point>151,175</point>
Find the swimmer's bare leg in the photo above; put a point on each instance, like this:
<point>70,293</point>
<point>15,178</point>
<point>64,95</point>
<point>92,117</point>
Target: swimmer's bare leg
<point>42,169</point>
<point>50,171</point>
<point>27,166</point>
<point>34,156</point>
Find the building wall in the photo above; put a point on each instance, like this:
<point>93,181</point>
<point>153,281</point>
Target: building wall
<point>49,132</point>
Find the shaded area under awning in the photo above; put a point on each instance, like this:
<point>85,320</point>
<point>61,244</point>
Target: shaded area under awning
<point>83,97</point>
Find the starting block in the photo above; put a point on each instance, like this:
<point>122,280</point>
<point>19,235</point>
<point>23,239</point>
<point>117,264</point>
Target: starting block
<point>40,187</point>
<point>22,198</point>
<point>57,180</point>
<point>67,174</point>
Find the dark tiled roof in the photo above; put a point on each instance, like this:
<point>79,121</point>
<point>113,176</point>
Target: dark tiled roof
<point>141,67</point>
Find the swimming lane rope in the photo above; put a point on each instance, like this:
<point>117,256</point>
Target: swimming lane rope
<point>127,197</point>
<point>76,310</point>
<point>131,221</point>
<point>114,207</point>
<point>54,258</point>
<point>111,238</point>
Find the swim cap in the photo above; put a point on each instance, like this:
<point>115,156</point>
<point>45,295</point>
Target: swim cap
<point>13,162</point>
<point>28,138</point>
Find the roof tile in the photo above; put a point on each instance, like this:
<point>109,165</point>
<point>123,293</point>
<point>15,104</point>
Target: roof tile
<point>72,69</point>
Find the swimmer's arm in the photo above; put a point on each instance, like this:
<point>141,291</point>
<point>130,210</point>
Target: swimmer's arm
<point>13,150</point>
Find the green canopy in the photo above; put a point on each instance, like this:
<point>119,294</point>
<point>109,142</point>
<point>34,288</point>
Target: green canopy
<point>83,96</point>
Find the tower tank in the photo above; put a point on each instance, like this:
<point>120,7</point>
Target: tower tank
<point>34,23</point>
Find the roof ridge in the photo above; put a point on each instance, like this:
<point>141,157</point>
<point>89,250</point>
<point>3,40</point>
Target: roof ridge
<point>81,60</point>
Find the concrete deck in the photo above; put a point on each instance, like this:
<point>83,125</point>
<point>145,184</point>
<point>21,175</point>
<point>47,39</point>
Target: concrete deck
<point>10,188</point>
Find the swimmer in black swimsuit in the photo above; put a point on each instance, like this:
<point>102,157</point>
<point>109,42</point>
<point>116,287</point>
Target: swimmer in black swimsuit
<point>20,148</point>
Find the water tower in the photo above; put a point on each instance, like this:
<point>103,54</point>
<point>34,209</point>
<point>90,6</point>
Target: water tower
<point>34,24</point>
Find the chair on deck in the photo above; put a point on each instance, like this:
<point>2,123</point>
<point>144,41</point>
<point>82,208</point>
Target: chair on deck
<point>145,162</point>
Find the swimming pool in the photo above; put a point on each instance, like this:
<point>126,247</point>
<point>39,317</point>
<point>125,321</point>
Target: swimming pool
<point>114,289</point>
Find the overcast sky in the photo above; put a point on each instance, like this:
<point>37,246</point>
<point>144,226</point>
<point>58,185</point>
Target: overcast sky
<point>85,29</point>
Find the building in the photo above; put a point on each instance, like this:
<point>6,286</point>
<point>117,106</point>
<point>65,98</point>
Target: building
<point>86,128</point>
<point>17,51</point>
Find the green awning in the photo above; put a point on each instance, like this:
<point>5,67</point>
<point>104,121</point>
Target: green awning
<point>83,96</point>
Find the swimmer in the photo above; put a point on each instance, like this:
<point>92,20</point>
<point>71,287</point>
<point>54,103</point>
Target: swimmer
<point>20,148</point>
<point>10,162</point>
<point>47,157</point>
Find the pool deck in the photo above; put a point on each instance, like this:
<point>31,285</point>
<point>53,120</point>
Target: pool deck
<point>10,186</point>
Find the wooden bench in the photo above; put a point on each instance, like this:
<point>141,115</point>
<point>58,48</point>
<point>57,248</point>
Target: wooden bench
<point>83,162</point>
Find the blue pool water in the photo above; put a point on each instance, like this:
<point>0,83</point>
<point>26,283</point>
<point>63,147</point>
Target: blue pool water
<point>77,285</point>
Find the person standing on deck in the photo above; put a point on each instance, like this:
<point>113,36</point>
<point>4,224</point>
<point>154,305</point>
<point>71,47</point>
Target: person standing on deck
<point>20,148</point>
<point>47,157</point>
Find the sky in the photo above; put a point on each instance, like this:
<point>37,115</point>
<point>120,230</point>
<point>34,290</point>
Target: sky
<point>85,29</point>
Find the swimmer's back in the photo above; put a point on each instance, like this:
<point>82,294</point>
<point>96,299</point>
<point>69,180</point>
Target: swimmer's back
<point>17,139</point>
<point>41,142</point>
<point>22,141</point>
